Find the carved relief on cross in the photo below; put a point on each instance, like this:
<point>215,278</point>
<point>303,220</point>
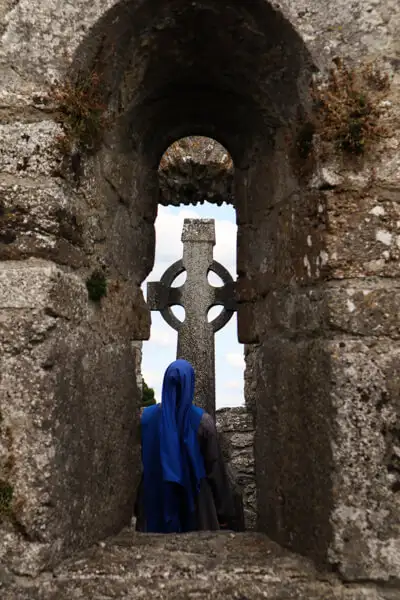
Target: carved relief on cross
<point>196,296</point>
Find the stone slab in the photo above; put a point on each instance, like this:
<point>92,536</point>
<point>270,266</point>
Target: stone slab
<point>362,307</point>
<point>311,237</point>
<point>28,149</point>
<point>204,566</point>
<point>326,449</point>
<point>39,218</point>
<point>69,403</point>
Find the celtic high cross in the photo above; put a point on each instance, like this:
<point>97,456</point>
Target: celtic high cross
<point>197,296</point>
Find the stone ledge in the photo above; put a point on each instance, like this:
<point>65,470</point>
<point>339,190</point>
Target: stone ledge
<point>200,565</point>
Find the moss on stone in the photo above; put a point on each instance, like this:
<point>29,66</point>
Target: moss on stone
<point>96,286</point>
<point>6,496</point>
<point>148,395</point>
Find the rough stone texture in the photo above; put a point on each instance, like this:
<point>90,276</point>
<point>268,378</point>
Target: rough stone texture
<point>203,565</point>
<point>237,440</point>
<point>251,377</point>
<point>138,346</point>
<point>311,240</point>
<point>69,442</point>
<point>197,296</point>
<point>195,170</point>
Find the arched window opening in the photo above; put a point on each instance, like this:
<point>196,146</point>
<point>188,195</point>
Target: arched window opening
<point>195,170</point>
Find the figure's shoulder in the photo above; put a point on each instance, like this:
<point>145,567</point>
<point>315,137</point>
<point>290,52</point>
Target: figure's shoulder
<point>149,412</point>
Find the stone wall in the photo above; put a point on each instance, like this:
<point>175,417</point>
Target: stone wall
<point>138,349</point>
<point>68,444</point>
<point>318,263</point>
<point>251,377</point>
<point>237,440</point>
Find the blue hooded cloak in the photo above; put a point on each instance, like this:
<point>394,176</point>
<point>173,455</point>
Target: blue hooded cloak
<point>172,462</point>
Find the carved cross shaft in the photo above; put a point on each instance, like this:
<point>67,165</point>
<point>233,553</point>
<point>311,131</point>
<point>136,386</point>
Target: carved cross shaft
<point>197,296</point>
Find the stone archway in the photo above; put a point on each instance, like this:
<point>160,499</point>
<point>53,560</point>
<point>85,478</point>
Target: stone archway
<point>166,79</point>
<point>67,375</point>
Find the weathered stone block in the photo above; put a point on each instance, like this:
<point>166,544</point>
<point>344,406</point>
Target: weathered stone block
<point>292,444</point>
<point>365,396</point>
<point>40,220</point>
<point>327,468</point>
<point>286,246</point>
<point>237,437</point>
<point>365,308</point>
<point>311,237</point>
<point>363,235</point>
<point>69,437</point>
<point>359,307</point>
<point>29,149</point>
<point>124,314</point>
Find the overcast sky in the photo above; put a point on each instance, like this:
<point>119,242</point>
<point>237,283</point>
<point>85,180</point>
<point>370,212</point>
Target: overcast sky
<point>160,350</point>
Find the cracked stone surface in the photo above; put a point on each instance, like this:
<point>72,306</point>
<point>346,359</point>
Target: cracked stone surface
<point>201,565</point>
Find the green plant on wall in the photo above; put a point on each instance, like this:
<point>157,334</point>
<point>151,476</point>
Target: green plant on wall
<point>81,111</point>
<point>348,107</point>
<point>148,395</point>
<point>96,285</point>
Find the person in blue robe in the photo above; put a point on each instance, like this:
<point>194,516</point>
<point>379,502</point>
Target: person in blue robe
<point>185,484</point>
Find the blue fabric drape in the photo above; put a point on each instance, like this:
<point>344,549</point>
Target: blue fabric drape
<point>172,462</point>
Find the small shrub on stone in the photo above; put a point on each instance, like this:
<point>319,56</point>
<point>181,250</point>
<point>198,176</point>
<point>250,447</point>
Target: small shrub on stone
<point>148,395</point>
<point>96,286</point>
<point>81,113</point>
<point>348,107</point>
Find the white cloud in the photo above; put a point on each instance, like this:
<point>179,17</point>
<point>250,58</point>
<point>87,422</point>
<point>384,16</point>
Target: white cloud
<point>162,337</point>
<point>233,384</point>
<point>150,375</point>
<point>168,233</point>
<point>235,359</point>
<point>225,247</point>
<point>169,247</point>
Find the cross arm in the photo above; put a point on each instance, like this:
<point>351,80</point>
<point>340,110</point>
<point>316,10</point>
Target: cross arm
<point>225,296</point>
<point>160,296</point>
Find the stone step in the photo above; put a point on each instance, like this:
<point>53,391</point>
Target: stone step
<point>202,566</point>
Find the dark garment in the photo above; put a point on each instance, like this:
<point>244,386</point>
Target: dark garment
<point>218,503</point>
